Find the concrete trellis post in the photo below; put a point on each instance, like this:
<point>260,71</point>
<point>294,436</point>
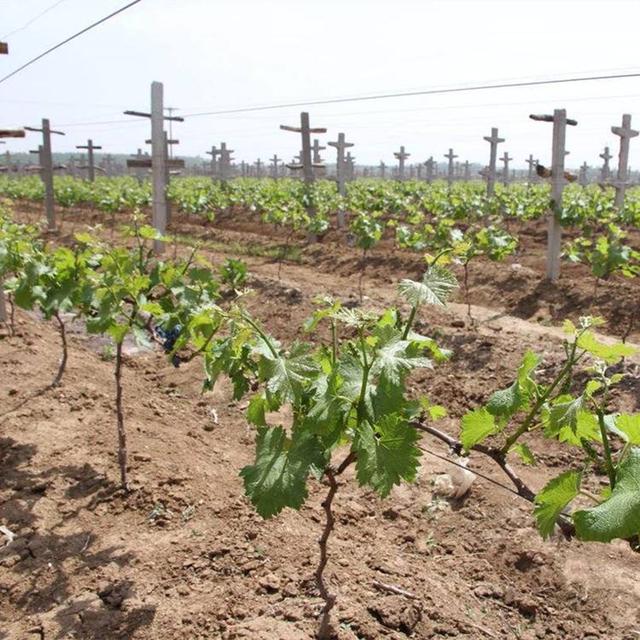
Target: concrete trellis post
<point>558,153</point>
<point>258,164</point>
<point>274,166</point>
<point>450,171</point>
<point>91,167</point>
<point>214,153</point>
<point>467,171</point>
<point>72,167</point>
<point>225,162</point>
<point>46,170</point>
<point>582,175</point>
<point>493,141</point>
<point>605,171</point>
<point>401,156</point>
<point>625,132</point>
<point>317,158</point>
<point>108,164</point>
<point>531,170</point>
<point>158,162</point>
<point>341,169</point>
<point>317,148</point>
<point>505,168</point>
<point>429,165</point>
<point>305,130</point>
<point>350,167</point>
<point>139,172</point>
<point>383,169</point>
<point>159,159</point>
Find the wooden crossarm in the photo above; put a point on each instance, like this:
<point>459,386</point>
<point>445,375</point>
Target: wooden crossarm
<point>12,133</point>
<point>58,133</point>
<point>549,118</point>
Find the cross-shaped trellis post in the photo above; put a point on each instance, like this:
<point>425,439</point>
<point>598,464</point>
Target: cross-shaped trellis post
<point>383,169</point>
<point>274,166</point>
<point>401,156</point>
<point>350,166</point>
<point>259,165</point>
<point>159,159</point>
<point>108,164</point>
<point>341,170</point>
<point>625,132</point>
<point>494,140</point>
<point>225,162</point>
<point>46,170</point>
<point>429,165</point>
<point>450,171</point>
<point>72,165</point>
<point>467,171</point>
<point>140,160</point>
<point>91,167</point>
<point>605,171</point>
<point>214,152</point>
<point>317,158</point>
<point>582,174</point>
<point>7,159</point>
<point>531,170</point>
<point>558,153</point>
<point>305,130</point>
<point>505,168</point>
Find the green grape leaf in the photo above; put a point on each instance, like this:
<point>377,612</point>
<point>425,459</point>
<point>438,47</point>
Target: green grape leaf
<point>395,356</point>
<point>476,426</point>
<point>627,426</point>
<point>505,402</point>
<point>287,374</point>
<point>555,496</point>
<point>386,453</point>
<point>525,453</point>
<point>436,286</point>
<point>278,479</point>
<point>257,409</point>
<point>564,412</point>
<point>568,421</point>
<point>619,515</point>
<point>609,353</point>
<point>530,362</point>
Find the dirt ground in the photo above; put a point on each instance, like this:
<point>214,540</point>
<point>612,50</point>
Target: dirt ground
<point>184,556</point>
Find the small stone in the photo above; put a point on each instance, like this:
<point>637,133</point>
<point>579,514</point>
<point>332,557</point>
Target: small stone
<point>270,583</point>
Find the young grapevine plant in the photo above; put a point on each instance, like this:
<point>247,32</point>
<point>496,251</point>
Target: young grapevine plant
<point>132,289</point>
<point>609,440</point>
<point>346,397</point>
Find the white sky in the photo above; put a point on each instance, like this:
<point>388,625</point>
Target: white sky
<point>213,54</point>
